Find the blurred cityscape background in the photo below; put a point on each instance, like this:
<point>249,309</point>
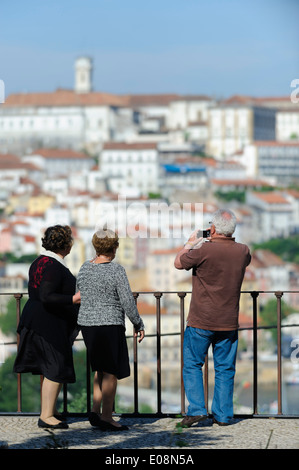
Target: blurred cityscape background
<point>166,105</point>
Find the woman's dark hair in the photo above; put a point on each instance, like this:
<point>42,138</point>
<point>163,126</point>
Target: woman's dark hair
<point>57,238</point>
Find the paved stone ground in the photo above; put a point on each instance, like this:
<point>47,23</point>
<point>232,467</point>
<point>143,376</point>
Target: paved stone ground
<point>152,433</point>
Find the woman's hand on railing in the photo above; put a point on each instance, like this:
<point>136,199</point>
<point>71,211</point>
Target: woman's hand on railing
<point>141,335</point>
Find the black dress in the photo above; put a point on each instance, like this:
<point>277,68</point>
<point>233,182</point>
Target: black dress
<point>107,349</point>
<point>48,324</point>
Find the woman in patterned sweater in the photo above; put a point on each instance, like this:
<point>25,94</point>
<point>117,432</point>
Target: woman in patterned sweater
<point>106,299</point>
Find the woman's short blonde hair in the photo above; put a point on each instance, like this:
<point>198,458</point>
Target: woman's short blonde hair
<point>105,241</point>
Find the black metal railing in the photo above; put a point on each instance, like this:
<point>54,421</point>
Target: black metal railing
<point>158,334</point>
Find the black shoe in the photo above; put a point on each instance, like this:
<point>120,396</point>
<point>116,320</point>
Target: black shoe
<point>61,425</point>
<point>220,423</point>
<point>105,426</point>
<point>60,417</point>
<point>94,419</point>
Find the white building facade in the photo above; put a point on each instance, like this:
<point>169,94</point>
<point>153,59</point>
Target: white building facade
<point>130,167</point>
<point>275,161</point>
<point>233,126</point>
<point>55,162</point>
<point>272,214</point>
<point>287,124</point>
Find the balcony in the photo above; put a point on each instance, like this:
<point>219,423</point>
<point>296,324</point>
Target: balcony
<point>159,336</point>
<point>149,427</point>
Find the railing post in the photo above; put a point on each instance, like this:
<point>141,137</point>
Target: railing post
<point>206,382</point>
<point>254,296</point>
<point>182,296</point>
<point>278,296</point>
<point>88,384</point>
<point>64,395</point>
<point>19,380</point>
<point>136,410</point>
<point>158,296</point>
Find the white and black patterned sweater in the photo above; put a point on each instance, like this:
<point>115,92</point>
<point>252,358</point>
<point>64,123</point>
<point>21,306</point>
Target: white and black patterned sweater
<point>106,296</point>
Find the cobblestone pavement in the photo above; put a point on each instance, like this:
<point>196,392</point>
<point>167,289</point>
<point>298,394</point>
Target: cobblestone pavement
<point>152,433</point>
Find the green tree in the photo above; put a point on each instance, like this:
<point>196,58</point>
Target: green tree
<point>30,386</point>
<point>234,195</point>
<point>8,320</point>
<point>286,248</point>
<point>12,258</point>
<point>268,315</point>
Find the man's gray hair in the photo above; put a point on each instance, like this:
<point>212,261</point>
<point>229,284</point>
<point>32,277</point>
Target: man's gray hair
<point>224,221</point>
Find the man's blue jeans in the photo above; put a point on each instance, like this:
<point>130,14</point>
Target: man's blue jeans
<point>196,345</point>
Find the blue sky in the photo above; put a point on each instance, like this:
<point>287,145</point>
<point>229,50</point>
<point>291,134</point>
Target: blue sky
<point>214,47</point>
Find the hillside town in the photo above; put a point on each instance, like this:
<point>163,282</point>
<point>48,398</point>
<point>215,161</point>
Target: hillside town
<point>155,167</point>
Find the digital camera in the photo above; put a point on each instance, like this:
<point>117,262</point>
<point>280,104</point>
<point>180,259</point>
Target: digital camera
<point>203,233</point>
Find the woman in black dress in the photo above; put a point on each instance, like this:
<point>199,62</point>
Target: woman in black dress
<point>48,324</point>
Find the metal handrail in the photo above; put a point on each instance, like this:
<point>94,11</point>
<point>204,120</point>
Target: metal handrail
<point>181,294</point>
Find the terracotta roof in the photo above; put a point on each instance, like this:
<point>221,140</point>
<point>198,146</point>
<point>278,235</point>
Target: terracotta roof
<point>274,98</point>
<point>294,193</point>
<point>271,197</point>
<point>292,109</point>
<point>239,182</point>
<point>19,222</point>
<point>266,258</point>
<point>193,98</point>
<point>245,320</point>
<point>206,161</point>
<point>275,143</point>
<point>147,309</point>
<point>60,153</point>
<point>63,97</point>
<point>239,99</point>
<point>8,161</point>
<point>29,238</point>
<point>151,100</point>
<point>129,145</point>
<point>244,99</point>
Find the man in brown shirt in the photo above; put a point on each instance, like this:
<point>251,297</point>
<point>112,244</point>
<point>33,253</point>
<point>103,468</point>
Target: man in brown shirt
<point>218,266</point>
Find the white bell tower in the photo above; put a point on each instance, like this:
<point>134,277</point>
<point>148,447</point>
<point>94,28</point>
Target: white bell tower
<point>83,75</point>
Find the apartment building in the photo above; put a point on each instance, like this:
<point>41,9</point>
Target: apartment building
<point>185,110</point>
<point>176,176</point>
<point>130,166</point>
<point>235,123</point>
<point>272,215</point>
<point>273,160</point>
<point>55,162</point>
<point>162,274</point>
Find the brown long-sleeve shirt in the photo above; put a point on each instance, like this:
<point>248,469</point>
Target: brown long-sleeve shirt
<point>218,271</point>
